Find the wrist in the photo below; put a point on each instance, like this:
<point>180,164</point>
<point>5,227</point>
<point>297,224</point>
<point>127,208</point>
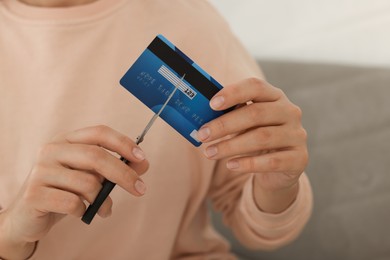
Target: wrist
<point>275,200</point>
<point>11,248</point>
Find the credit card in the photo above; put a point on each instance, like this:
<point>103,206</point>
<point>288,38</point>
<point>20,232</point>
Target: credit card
<point>153,77</point>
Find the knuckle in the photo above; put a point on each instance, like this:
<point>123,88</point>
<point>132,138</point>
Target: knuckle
<point>72,203</point>
<point>225,148</point>
<point>254,111</point>
<point>232,90</point>
<point>262,137</point>
<point>264,134</point>
<point>280,93</point>
<point>302,160</point>
<point>90,183</point>
<point>305,158</point>
<point>302,134</point>
<point>59,137</point>
<point>124,140</point>
<point>46,150</point>
<point>101,130</point>
<point>256,81</point>
<point>37,170</point>
<point>251,164</point>
<point>129,176</point>
<point>30,195</point>
<point>95,154</point>
<point>37,173</point>
<point>274,163</point>
<point>296,111</point>
<point>220,125</point>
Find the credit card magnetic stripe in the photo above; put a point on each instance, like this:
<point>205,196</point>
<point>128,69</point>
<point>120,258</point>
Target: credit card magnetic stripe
<point>182,64</point>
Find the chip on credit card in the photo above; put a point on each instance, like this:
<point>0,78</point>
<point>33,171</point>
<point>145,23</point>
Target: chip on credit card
<point>153,77</point>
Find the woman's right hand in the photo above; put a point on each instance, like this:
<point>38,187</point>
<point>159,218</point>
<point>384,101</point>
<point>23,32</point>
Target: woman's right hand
<point>69,170</point>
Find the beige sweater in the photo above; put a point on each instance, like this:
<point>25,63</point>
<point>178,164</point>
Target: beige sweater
<point>59,71</point>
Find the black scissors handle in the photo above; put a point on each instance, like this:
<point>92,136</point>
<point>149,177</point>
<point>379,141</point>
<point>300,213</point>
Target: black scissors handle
<point>92,209</point>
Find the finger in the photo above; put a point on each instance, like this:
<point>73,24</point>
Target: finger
<point>288,161</point>
<point>252,89</point>
<point>108,138</point>
<point>258,139</point>
<point>139,168</point>
<point>93,158</point>
<point>59,201</point>
<point>86,185</point>
<point>256,114</point>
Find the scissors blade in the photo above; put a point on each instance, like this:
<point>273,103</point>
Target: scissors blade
<point>140,138</point>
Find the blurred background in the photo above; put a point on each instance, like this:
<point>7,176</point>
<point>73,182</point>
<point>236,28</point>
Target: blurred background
<point>332,58</point>
<point>342,31</point>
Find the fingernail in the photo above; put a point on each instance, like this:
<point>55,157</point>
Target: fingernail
<point>140,187</point>
<point>138,153</point>
<point>203,133</point>
<point>211,151</point>
<point>233,164</point>
<point>107,214</point>
<point>217,102</point>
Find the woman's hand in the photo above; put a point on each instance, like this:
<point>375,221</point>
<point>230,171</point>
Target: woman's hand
<point>69,171</point>
<point>264,137</point>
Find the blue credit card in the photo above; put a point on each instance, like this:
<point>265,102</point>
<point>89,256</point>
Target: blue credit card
<point>153,77</point>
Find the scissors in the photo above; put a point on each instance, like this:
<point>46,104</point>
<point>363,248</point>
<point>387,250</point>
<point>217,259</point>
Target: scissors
<point>108,185</point>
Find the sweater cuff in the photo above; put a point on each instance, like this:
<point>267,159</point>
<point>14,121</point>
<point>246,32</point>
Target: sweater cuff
<point>278,228</point>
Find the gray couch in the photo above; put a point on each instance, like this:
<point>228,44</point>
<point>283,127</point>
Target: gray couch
<point>346,111</point>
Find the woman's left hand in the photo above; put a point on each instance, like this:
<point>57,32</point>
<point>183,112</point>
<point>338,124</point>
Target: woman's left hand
<point>263,135</point>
